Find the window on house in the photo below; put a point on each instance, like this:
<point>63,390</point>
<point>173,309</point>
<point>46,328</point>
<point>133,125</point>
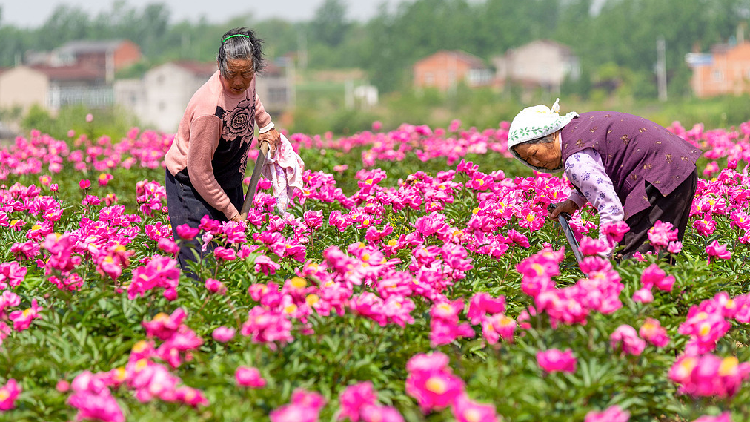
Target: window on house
<point>717,75</point>
<point>429,78</point>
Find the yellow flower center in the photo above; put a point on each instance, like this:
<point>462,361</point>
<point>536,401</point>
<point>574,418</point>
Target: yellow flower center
<point>704,330</point>
<point>141,365</point>
<point>160,316</point>
<point>290,309</point>
<point>505,321</point>
<point>36,227</point>
<point>368,182</point>
<point>392,242</point>
<point>436,385</point>
<point>312,299</point>
<point>120,374</point>
<point>298,282</point>
<point>140,346</point>
<point>472,415</point>
<point>728,366</point>
<point>688,364</point>
<point>530,218</point>
<point>4,395</point>
<point>445,307</point>
<point>475,211</point>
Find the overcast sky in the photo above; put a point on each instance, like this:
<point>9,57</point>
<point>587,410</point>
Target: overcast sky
<point>32,13</point>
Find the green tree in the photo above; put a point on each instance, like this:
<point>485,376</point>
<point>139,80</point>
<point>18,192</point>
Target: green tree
<point>329,25</point>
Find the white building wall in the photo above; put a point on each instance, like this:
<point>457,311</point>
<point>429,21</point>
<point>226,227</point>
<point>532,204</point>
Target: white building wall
<point>24,87</point>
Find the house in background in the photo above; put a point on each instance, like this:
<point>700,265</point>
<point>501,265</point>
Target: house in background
<point>23,86</point>
<point>724,71</point>
<point>52,87</point>
<point>444,70</point>
<point>539,64</point>
<point>106,56</point>
<point>160,97</point>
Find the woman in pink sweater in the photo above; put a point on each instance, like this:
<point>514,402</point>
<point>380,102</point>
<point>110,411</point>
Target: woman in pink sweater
<point>207,160</point>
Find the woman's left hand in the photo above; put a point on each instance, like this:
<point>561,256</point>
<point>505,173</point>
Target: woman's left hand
<point>272,137</point>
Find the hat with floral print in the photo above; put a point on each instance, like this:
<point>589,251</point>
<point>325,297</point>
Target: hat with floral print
<point>534,123</point>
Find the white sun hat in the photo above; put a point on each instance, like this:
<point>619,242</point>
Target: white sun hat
<point>534,123</point>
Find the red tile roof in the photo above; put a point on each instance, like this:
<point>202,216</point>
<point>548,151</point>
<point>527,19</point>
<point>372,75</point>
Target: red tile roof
<point>75,72</point>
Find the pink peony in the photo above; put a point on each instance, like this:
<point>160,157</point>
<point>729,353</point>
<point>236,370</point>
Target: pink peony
<point>354,398</point>
<point>249,377</point>
<point>223,334</point>
<point>626,336</point>
<point>8,394</point>
<point>554,360</point>
<point>715,249</point>
<point>654,333</point>
<point>612,414</point>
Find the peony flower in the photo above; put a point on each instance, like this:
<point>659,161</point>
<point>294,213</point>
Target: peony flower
<point>661,234</point>
<point>612,414</point>
<point>223,334</point>
<point>715,249</point>
<point>724,417</point>
<point>626,336</point>
<point>554,360</point>
<point>186,232</point>
<point>643,295</point>
<point>467,410</point>
<point>265,265</point>
<point>215,286</point>
<point>376,413</point>
<point>8,395</point>
<point>249,377</point>
<point>354,398</point>
<point>654,333</point>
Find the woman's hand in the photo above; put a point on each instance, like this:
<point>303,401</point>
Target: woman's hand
<point>568,206</point>
<point>272,137</point>
<point>237,218</point>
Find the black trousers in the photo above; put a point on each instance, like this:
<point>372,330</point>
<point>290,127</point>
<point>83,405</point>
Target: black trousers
<point>186,206</point>
<point>673,208</point>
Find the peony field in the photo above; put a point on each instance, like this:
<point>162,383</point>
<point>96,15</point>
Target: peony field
<point>415,277</point>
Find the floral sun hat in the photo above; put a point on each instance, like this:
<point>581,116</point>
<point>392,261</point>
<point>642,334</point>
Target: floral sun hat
<point>534,123</point>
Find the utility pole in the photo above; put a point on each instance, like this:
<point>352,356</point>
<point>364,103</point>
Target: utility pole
<point>661,67</point>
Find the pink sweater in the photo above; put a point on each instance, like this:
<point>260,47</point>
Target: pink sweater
<point>198,136</point>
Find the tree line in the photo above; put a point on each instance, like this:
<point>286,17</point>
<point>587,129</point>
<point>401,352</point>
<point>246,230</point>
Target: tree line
<point>614,39</point>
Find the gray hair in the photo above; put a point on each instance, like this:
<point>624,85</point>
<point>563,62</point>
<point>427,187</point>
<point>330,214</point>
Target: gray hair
<point>240,43</point>
<point>543,140</point>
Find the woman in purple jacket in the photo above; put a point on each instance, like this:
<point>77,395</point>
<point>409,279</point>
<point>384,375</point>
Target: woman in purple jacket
<point>629,168</point>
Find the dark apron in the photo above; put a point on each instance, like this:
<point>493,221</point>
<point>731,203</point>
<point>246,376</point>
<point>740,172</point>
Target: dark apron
<point>186,206</point>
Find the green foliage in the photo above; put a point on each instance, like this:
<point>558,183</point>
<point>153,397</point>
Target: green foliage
<point>106,122</point>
